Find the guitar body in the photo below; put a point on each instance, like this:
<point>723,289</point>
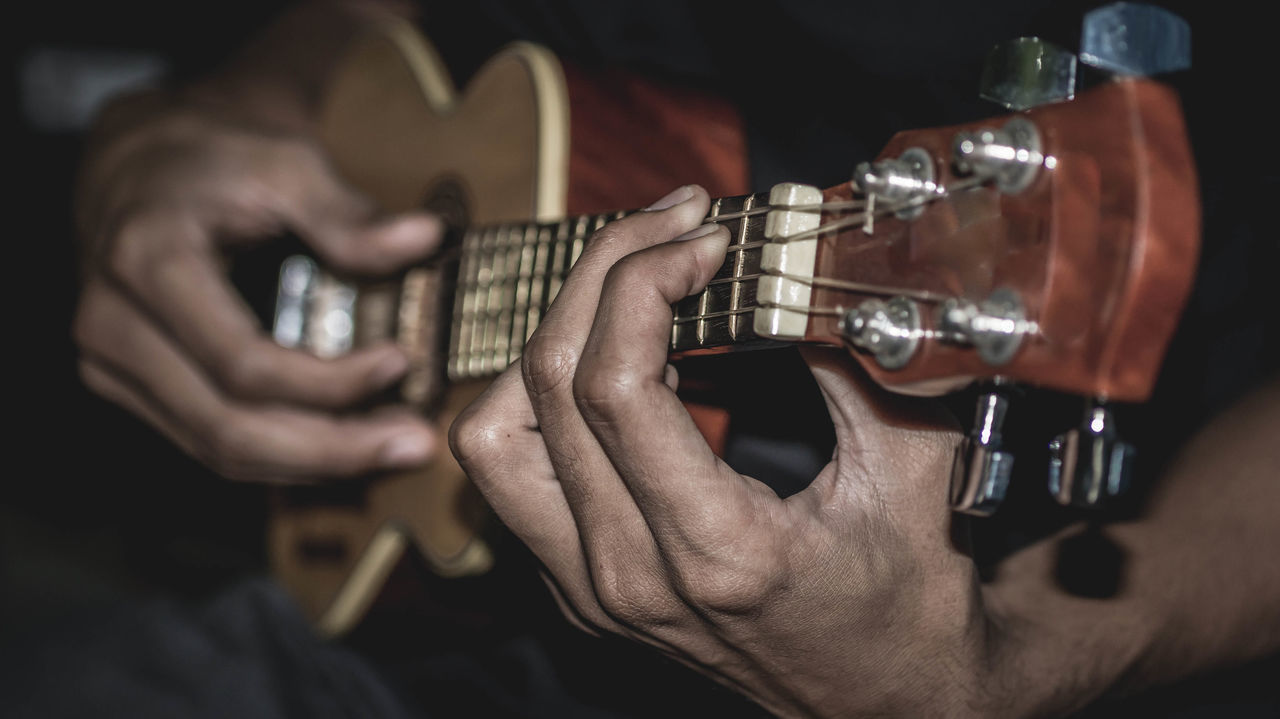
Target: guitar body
<point>397,130</point>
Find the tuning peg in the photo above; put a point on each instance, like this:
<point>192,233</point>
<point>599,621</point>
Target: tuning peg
<point>1090,464</point>
<point>1135,39</point>
<point>889,330</point>
<point>1027,72</point>
<point>981,469</point>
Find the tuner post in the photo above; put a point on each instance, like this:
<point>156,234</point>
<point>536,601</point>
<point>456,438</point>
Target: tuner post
<point>1010,156</point>
<point>889,330</point>
<point>1090,464</point>
<point>995,328</point>
<point>905,182</point>
<point>981,469</point>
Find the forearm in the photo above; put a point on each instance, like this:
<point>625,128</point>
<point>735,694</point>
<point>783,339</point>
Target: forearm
<point>1199,583</point>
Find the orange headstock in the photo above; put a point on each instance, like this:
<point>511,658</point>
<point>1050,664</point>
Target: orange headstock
<point>1063,260</point>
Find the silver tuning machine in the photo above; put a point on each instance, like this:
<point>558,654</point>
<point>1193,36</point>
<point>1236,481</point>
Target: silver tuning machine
<point>995,328</point>
<point>1090,464</point>
<point>889,330</point>
<point>982,467</point>
<point>1011,156</point>
<point>906,181</point>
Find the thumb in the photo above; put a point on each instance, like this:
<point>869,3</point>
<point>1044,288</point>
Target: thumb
<point>345,228</point>
<point>903,445</point>
<point>379,246</point>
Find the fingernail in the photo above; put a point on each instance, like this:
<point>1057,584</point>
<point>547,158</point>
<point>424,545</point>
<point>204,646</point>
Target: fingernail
<point>671,199</point>
<point>408,450</point>
<point>388,370</point>
<point>699,231</point>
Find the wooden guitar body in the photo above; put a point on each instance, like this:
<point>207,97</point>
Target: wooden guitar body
<point>396,129</point>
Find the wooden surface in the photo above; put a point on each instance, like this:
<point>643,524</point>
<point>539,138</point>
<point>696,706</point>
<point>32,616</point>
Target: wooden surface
<point>1102,249</point>
<point>399,132</point>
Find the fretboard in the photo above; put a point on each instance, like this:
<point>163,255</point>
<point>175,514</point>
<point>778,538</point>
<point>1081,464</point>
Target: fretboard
<point>509,274</point>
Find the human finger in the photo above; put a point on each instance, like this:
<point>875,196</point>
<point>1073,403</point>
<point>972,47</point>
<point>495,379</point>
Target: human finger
<point>162,258</point>
<point>599,501</point>
<point>342,225</point>
<point>688,497</point>
<point>239,440</point>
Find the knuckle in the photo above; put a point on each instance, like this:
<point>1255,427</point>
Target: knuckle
<point>629,274</point>
<point>607,238</point>
<point>475,437</point>
<point>226,447</point>
<point>243,373</point>
<point>548,363</point>
<point>600,389</point>
<point>723,589</point>
<point>632,598</point>
<point>732,579</point>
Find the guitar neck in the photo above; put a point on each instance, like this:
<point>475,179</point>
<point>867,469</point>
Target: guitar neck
<point>509,274</point>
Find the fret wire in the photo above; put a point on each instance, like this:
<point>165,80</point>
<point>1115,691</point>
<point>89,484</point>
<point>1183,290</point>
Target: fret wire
<point>506,299</point>
<point>508,276</point>
<point>559,250</point>
<point>739,265</point>
<point>491,298</point>
<point>523,285</point>
<point>479,320</point>
<point>538,288</point>
<point>700,329</point>
<point>497,293</point>
<point>463,298</point>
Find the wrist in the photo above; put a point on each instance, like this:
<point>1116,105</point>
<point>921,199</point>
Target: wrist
<point>1054,652</point>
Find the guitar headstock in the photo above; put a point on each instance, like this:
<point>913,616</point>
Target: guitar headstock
<point>1054,247</point>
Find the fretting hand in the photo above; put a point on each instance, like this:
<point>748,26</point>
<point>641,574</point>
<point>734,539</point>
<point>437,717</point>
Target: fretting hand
<point>846,596</point>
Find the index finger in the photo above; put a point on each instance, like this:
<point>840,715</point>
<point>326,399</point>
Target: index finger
<point>164,261</point>
<point>677,482</point>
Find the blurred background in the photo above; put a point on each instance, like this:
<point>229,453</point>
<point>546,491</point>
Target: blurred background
<point>97,512</point>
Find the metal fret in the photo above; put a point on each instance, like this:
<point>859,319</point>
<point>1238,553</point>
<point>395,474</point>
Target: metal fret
<point>509,275</point>
<point>540,286</point>
<point>479,310</point>
<point>528,249</point>
<point>722,313</point>
<point>509,259</point>
<point>560,247</point>
<point>463,303</point>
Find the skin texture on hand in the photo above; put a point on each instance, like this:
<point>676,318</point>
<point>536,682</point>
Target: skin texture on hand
<point>847,597</point>
<point>851,597</point>
<point>170,182</point>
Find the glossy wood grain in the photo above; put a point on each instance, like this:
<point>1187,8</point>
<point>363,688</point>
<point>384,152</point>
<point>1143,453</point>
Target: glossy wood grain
<point>1102,249</point>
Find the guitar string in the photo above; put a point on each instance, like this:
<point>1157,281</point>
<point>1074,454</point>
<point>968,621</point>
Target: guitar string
<point>833,283</point>
<point>839,224</point>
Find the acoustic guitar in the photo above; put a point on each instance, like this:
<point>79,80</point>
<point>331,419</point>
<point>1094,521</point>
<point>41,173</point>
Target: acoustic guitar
<point>1054,247</point>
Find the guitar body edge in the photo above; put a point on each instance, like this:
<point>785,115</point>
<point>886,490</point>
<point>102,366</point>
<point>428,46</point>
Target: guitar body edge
<point>398,131</point>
